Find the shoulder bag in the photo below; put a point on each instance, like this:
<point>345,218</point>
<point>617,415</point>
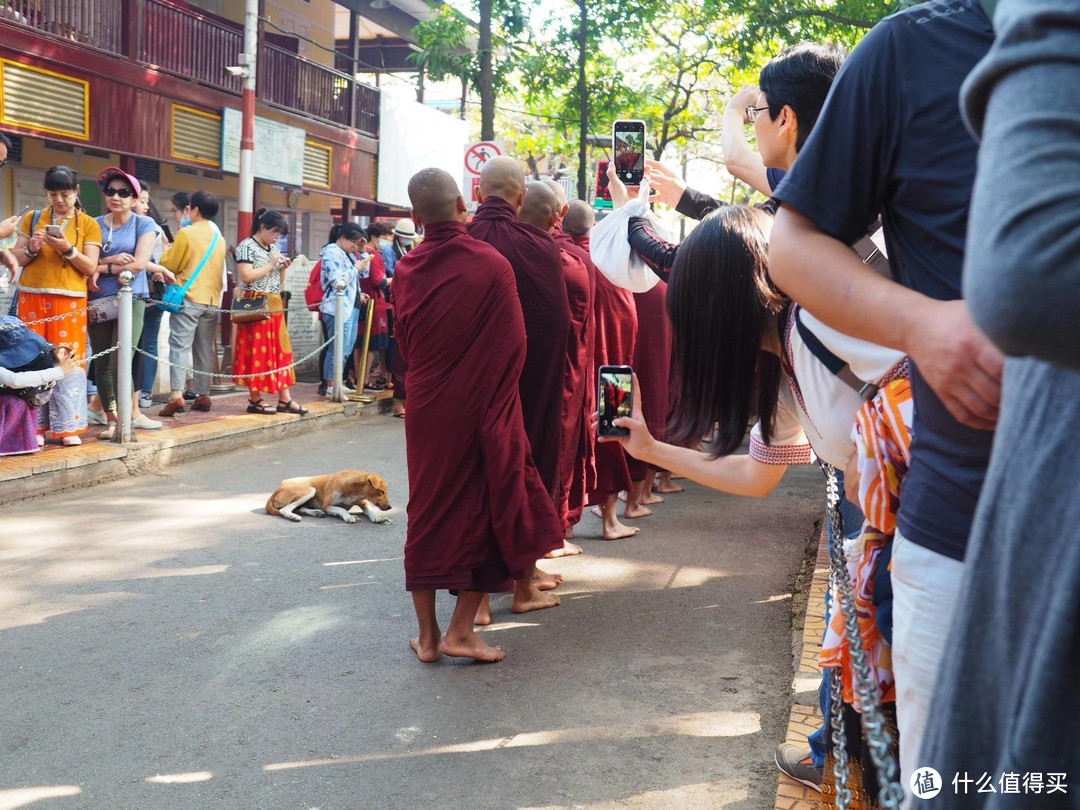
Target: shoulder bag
<point>173,299</point>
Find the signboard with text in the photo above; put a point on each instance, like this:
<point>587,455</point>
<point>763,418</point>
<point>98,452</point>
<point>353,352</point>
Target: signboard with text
<point>279,148</point>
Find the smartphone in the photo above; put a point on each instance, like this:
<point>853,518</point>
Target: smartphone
<point>615,396</point>
<point>628,138</point>
<point>25,208</point>
<point>54,230</point>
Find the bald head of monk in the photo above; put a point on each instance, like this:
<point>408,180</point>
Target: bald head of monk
<point>435,197</point>
<point>540,207</point>
<point>503,177</point>
<point>579,219</point>
<point>560,195</point>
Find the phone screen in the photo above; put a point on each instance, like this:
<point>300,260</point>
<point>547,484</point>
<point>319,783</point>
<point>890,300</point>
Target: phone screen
<point>629,142</point>
<point>54,230</point>
<point>614,398</point>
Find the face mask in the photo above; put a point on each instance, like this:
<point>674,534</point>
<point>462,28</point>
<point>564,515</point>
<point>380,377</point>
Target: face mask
<point>385,243</point>
<point>185,221</point>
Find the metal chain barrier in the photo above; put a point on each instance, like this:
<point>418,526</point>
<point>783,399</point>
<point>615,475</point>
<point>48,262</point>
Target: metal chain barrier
<point>190,370</point>
<point>882,751</point>
<point>51,318</point>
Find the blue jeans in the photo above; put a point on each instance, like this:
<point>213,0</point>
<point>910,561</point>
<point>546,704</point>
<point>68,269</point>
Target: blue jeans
<point>352,320</point>
<point>146,367</point>
<point>821,740</point>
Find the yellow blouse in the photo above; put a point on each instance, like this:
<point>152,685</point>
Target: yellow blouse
<point>50,272</point>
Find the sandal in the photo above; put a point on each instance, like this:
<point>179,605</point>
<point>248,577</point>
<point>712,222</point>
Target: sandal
<point>292,406</point>
<point>259,406</point>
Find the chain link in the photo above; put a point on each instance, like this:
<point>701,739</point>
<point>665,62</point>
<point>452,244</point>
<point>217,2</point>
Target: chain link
<point>841,768</point>
<point>882,750</point>
<point>51,318</point>
<point>189,370</point>
<point>93,357</point>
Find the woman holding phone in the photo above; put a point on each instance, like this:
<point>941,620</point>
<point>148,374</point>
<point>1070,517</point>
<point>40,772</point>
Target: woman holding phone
<point>58,248</point>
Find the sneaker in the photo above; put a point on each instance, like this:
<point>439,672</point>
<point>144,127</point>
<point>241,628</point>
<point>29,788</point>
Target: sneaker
<point>190,395</point>
<point>109,432</point>
<point>322,389</point>
<point>144,422</point>
<point>145,401</point>
<point>798,763</point>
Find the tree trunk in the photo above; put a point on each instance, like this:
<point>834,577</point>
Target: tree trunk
<point>583,101</point>
<point>420,85</point>
<point>464,94</point>
<point>487,83</point>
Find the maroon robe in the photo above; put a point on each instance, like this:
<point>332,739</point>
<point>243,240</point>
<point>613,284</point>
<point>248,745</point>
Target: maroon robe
<point>537,265</point>
<point>579,291</point>
<point>652,357</point>
<point>616,331</point>
<point>479,515</point>
<point>584,462</point>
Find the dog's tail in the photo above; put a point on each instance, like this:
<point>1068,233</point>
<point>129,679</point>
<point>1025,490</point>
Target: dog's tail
<point>271,509</point>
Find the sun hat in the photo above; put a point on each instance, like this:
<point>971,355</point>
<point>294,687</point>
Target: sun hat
<point>112,172</point>
<point>405,229</point>
<point>18,345</point>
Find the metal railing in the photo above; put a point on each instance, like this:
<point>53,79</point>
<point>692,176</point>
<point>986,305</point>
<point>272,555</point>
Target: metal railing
<point>89,22</point>
<point>193,45</point>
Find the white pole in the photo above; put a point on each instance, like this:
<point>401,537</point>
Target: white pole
<point>339,340</point>
<point>123,371</point>
<point>247,137</point>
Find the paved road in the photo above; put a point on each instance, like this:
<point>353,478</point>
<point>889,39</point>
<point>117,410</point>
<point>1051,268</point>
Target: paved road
<point>166,644</point>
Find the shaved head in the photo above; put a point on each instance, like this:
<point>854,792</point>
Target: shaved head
<point>579,219</point>
<point>434,195</point>
<point>503,177</point>
<point>540,207</point>
<point>558,190</point>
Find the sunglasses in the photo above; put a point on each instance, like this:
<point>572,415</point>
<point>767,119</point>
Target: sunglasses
<point>122,193</point>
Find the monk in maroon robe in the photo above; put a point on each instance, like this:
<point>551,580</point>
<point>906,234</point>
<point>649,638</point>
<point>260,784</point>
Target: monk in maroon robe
<point>652,364</point>
<point>479,516</point>
<point>537,267</point>
<point>543,209</point>
<point>616,330</point>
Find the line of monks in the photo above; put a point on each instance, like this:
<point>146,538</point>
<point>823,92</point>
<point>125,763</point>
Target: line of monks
<point>502,323</point>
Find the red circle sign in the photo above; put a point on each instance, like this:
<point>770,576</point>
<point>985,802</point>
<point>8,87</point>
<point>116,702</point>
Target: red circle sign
<point>478,154</point>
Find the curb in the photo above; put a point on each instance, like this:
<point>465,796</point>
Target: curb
<point>805,717</point>
<point>26,477</point>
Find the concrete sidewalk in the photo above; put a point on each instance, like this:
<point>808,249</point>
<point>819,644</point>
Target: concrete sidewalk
<point>227,426</point>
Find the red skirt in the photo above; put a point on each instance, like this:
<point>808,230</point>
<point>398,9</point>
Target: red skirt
<point>262,347</point>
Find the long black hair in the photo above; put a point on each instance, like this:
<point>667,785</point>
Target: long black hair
<point>722,304</point>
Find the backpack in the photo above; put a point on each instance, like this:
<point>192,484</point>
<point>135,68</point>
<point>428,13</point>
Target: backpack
<point>313,293</point>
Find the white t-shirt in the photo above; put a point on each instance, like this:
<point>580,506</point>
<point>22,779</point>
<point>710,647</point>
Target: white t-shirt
<point>817,412</point>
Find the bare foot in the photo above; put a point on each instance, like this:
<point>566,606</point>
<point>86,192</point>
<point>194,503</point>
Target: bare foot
<point>568,550</point>
<point>536,601</point>
<point>569,533</point>
<point>619,531</point>
<point>596,511</point>
<point>424,653</point>
<point>650,498</point>
<point>634,512</point>
<point>483,614</point>
<point>471,646</point>
<point>668,489</point>
<point>545,581</point>
<point>622,496</point>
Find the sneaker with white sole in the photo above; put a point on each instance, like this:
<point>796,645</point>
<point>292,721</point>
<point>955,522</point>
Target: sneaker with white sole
<point>109,433</point>
<point>146,401</point>
<point>144,422</point>
<point>798,763</point>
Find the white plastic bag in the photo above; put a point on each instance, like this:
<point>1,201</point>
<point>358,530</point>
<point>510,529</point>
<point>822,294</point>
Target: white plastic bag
<point>611,251</point>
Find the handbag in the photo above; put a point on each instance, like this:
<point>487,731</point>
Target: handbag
<point>250,309</point>
<point>104,309</point>
<point>173,299</point>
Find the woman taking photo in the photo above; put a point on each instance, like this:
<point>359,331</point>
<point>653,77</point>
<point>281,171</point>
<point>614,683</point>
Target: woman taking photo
<point>58,248</point>
<point>263,347</point>
<point>129,244</point>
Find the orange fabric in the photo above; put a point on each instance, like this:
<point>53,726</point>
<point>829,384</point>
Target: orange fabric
<point>261,346</point>
<point>68,331</point>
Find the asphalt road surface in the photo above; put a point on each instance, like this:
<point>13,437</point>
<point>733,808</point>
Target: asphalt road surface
<point>164,644</point>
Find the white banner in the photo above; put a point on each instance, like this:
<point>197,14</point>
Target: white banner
<point>279,148</point>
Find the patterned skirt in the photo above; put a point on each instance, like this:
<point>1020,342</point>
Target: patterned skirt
<point>65,414</point>
<point>18,426</point>
<point>261,347</point>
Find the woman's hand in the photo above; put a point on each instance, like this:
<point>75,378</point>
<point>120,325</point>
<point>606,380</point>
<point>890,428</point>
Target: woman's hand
<point>66,360</point>
<point>92,281</point>
<point>58,243</point>
<point>668,185</point>
<point>619,194</point>
<point>36,241</point>
<point>119,259</point>
<point>8,226</point>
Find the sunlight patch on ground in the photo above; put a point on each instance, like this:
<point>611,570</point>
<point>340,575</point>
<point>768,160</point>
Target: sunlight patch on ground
<point>491,628</point>
<point>700,724</point>
<point>604,575</point>
<point>345,585</point>
<point>361,562</point>
<point>778,598</point>
<point>20,615</point>
<point>23,797</point>
<point>702,796</point>
<point>180,778</point>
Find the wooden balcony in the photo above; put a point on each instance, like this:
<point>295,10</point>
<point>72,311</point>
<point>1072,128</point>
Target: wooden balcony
<point>174,37</point>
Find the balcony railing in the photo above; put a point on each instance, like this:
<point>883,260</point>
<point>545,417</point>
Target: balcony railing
<point>183,41</point>
<point>180,39</point>
<point>88,22</point>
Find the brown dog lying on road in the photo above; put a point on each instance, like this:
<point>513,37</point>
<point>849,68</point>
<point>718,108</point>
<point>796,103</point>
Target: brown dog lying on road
<point>334,494</point>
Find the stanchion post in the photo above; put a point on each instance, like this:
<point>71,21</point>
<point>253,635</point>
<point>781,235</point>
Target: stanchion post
<point>339,340</point>
<point>123,371</point>
<point>361,375</point>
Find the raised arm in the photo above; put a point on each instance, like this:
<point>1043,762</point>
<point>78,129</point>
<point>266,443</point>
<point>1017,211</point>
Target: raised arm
<point>741,160</point>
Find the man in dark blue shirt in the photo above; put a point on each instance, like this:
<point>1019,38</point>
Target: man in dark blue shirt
<point>890,141</point>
